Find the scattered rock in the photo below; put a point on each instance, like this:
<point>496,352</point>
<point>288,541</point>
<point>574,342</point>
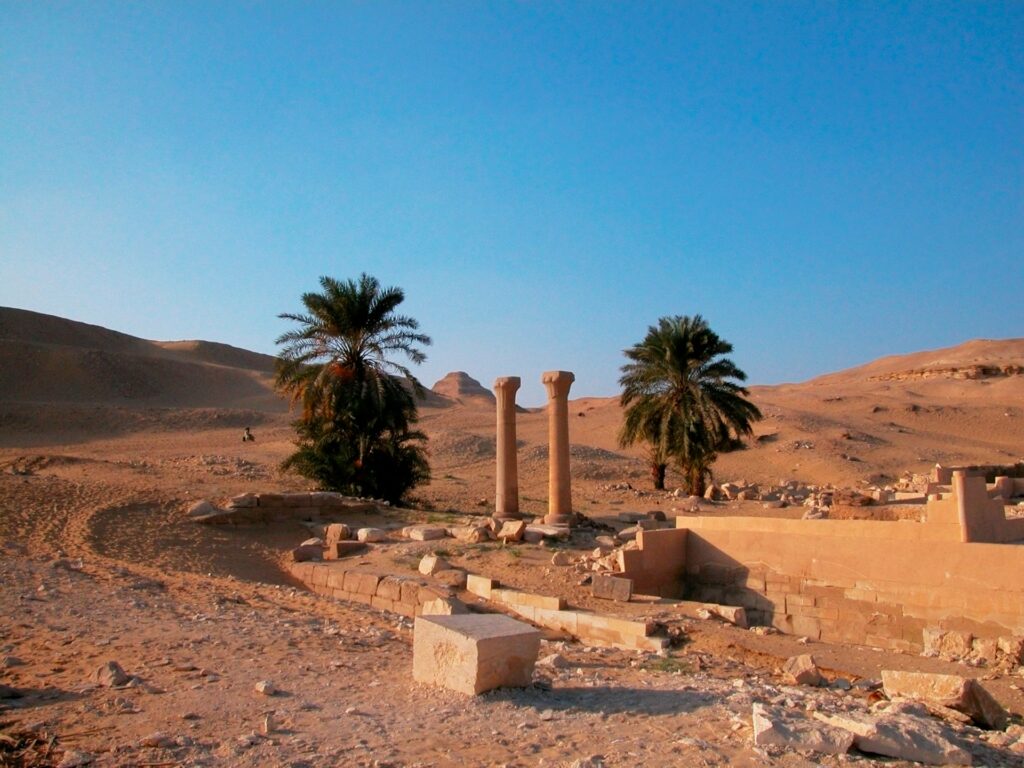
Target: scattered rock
<point>801,670</point>
<point>561,559</point>
<point>110,675</point>
<point>555,661</point>
<point>158,740</point>
<point>265,687</point>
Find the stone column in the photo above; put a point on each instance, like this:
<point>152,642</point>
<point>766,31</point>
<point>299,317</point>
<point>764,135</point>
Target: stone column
<point>506,497</point>
<point>559,488</point>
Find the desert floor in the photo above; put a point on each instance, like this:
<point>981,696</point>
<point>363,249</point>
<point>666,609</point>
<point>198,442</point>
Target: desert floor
<point>100,563</point>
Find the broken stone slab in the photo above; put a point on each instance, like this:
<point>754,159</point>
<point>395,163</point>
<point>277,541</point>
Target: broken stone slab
<point>612,587</point>
<point>902,735</point>
<point>431,564</point>
<point>244,501</point>
<point>371,534</point>
<point>959,693</point>
<point>473,653</point>
<point>512,530</point>
<point>425,532</point>
<point>781,727</point>
<point>801,670</point>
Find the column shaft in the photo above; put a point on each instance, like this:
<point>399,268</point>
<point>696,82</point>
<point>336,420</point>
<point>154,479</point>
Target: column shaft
<point>506,497</point>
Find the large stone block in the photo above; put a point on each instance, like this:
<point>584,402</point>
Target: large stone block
<point>473,653</point>
<point>959,693</point>
<point>612,588</point>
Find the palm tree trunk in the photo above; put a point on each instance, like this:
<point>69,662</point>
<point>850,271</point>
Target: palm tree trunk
<point>658,475</point>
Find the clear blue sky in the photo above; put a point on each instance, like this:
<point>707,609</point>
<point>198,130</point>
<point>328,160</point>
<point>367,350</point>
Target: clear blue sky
<point>825,182</point>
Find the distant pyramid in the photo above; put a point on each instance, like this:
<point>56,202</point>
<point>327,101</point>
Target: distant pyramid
<point>461,387</point>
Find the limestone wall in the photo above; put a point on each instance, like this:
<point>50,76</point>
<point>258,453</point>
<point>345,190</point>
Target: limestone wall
<point>869,582</point>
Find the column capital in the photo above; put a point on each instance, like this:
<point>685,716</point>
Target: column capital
<point>507,383</point>
<point>557,382</point>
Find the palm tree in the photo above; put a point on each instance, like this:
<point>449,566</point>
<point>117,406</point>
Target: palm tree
<point>679,397</point>
<point>358,403</point>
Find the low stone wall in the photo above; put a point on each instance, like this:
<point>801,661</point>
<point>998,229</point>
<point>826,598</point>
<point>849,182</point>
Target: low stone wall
<point>866,582</point>
<point>398,594</point>
<point>552,613</point>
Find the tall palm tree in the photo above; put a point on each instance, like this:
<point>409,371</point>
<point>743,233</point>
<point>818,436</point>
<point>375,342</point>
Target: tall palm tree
<point>339,365</point>
<point>680,397</point>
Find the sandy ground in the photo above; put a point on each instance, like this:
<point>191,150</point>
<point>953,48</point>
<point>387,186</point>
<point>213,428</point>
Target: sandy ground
<point>100,564</point>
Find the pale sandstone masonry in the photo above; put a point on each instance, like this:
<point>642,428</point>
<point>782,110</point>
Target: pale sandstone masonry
<point>397,594</point>
<point>473,653</point>
<point>557,384</point>
<point>553,613</point>
<point>506,501</point>
<point>866,582</point>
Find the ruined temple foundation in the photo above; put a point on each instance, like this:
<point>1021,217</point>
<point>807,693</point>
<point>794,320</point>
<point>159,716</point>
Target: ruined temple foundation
<point>506,497</point>
<point>557,384</point>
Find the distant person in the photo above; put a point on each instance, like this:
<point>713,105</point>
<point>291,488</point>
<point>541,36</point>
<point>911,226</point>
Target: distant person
<point>248,436</point>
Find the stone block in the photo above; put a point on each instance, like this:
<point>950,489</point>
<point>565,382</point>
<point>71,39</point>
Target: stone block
<point>426,532</point>
<point>612,588</point>
<point>340,549</point>
<point>382,603</point>
<point>326,499</point>
<point>296,500</point>
<point>901,734</point>
<point>337,532</point>
<point>410,592</point>
<point>335,578</point>
<point>371,534</point>
<point>305,552</point>
<point>514,597</point>
<point>390,588</point>
<point>270,500</point>
<point>244,501</point>
<point>473,653</point>
<point>480,586</point>
<point>431,564</point>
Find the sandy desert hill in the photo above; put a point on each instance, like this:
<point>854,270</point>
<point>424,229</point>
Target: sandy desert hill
<point>63,381</point>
